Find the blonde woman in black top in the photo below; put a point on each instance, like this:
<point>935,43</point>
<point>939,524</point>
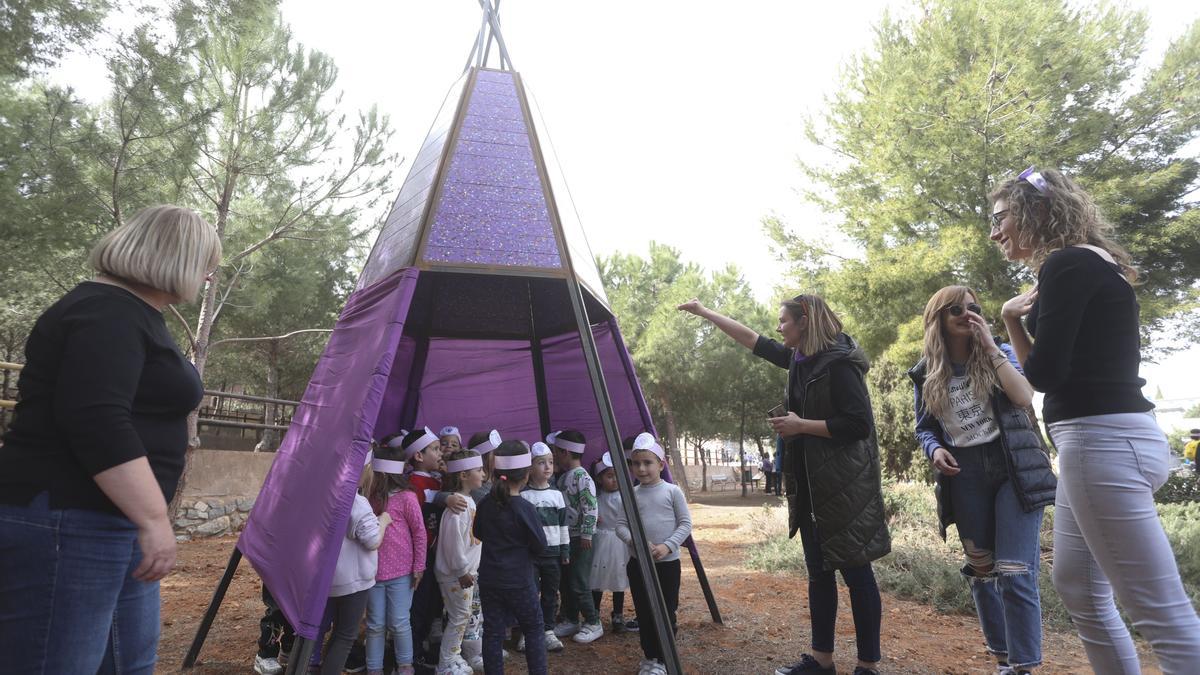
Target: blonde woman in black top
<point>1082,349</point>
<point>95,452</point>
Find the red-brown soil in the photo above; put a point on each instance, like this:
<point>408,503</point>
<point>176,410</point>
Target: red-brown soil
<point>765,616</point>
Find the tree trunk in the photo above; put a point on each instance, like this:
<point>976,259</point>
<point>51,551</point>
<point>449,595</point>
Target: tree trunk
<point>703,455</point>
<point>742,449</point>
<point>270,437</point>
<point>677,467</point>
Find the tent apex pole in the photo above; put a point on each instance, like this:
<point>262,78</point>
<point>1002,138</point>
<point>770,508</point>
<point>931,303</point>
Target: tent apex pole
<point>211,613</point>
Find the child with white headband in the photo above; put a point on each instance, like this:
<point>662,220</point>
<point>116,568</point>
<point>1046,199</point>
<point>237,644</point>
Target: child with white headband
<point>552,512</point>
<point>579,490</point>
<point>423,451</point>
<point>458,564</point>
<point>512,539</point>
<point>483,443</point>
<point>667,523</point>
<point>609,554</point>
<point>402,558</point>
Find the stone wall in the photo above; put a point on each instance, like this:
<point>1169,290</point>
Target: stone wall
<point>211,516</point>
<point>220,491</point>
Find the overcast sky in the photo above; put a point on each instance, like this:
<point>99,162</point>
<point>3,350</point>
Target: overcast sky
<point>678,122</point>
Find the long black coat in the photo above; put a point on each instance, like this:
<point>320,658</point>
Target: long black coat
<point>843,477</point>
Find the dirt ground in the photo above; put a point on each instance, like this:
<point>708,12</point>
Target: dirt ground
<point>765,616</point>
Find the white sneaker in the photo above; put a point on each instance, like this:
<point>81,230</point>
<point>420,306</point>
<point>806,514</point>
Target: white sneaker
<point>521,644</point>
<point>651,667</point>
<point>476,664</point>
<point>553,644</point>
<point>589,632</point>
<point>566,628</point>
<point>268,666</point>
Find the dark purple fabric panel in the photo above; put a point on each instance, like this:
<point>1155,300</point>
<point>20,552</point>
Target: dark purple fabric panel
<point>569,389</point>
<point>293,535</point>
<point>388,421</point>
<point>493,208</point>
<point>477,385</point>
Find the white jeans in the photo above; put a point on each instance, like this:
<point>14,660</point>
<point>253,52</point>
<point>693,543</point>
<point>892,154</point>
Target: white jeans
<point>457,601</point>
<point>1107,537</point>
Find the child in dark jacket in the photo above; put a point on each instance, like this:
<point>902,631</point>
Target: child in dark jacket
<point>513,539</point>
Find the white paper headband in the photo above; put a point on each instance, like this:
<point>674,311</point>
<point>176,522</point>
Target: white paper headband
<point>388,466</point>
<point>464,464</point>
<point>569,446</point>
<point>521,461</point>
<point>450,431</point>
<point>492,442</point>
<point>606,460</point>
<point>370,456</point>
<point>539,449</point>
<point>426,439</point>
<point>397,441</point>
<point>645,441</point>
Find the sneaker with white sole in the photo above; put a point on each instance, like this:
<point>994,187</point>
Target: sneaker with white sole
<point>589,632</point>
<point>521,644</point>
<point>651,667</point>
<point>553,644</point>
<point>267,666</point>
<point>566,628</point>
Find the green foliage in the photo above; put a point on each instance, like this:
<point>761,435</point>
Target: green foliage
<point>945,105</point>
<point>1182,487</point>
<point>697,380</point>
<point>35,33</point>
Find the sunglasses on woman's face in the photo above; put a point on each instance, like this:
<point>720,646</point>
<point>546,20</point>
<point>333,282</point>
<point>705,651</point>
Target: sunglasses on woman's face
<point>957,310</point>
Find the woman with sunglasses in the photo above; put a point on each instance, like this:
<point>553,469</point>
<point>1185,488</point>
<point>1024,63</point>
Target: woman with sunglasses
<point>1080,345</point>
<point>993,477</point>
<point>830,468</point>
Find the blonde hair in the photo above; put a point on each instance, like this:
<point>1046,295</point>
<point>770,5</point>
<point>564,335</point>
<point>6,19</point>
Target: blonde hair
<point>166,247</point>
<point>1064,216</point>
<point>935,395</point>
<point>821,325</point>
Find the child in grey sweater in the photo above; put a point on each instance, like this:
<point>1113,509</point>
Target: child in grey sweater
<point>668,524</point>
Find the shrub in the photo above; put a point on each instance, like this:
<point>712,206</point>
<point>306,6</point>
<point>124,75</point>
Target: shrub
<point>1182,487</point>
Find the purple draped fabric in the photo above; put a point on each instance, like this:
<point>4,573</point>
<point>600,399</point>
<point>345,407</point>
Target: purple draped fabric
<point>293,535</point>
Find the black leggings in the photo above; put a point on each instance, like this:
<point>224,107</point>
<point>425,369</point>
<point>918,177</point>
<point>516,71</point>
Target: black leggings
<point>668,576</point>
<point>618,601</point>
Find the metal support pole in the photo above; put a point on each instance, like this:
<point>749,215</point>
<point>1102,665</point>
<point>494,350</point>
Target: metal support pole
<point>612,436</point>
<point>213,606</point>
<point>302,650</point>
<point>703,578</point>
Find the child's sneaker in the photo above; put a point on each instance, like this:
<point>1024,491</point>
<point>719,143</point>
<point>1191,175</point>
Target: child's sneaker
<point>267,666</point>
<point>553,644</point>
<point>521,644</point>
<point>631,626</point>
<point>618,623</point>
<point>589,632</point>
<point>651,667</point>
<point>807,665</point>
<point>405,670</point>
<point>476,663</point>
<point>566,628</point>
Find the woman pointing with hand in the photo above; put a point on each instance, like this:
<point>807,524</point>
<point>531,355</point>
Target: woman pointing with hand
<point>830,467</point>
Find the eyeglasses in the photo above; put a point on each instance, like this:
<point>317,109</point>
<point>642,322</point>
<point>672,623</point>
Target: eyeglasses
<point>998,217</point>
<point>957,310</point>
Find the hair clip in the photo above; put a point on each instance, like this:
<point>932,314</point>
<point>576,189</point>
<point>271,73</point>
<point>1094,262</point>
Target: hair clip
<point>1037,180</point>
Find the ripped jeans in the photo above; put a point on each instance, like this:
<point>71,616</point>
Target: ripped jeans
<point>1000,541</point>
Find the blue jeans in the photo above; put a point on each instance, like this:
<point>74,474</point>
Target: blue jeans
<point>1107,538</point>
<point>68,602</point>
<point>1000,541</point>
<point>388,605</point>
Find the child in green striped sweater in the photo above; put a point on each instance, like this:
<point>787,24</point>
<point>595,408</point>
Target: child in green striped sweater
<point>552,510</point>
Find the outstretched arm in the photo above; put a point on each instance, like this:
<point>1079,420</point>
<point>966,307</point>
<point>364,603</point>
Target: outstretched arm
<point>741,334</point>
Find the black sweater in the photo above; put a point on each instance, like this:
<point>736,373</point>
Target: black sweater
<point>104,383</point>
<point>512,538</point>
<point>1086,352</point>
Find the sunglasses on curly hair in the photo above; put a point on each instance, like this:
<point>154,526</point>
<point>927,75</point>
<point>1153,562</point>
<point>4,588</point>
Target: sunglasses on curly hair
<point>957,310</point>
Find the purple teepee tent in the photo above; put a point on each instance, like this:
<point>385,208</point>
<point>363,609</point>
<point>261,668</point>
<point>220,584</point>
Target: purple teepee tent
<point>480,306</point>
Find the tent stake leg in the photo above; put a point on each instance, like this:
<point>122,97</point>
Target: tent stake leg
<point>302,650</point>
<point>213,606</point>
<point>704,586</point>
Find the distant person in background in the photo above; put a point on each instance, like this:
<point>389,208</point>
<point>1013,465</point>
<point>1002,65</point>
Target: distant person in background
<point>768,470</point>
<point>95,453</point>
<point>1081,346</point>
<point>1189,449</point>
<point>777,462</point>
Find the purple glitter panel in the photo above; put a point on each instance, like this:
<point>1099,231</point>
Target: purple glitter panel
<point>492,209</point>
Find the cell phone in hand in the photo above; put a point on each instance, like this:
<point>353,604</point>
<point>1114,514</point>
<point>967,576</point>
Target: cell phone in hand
<point>778,411</point>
